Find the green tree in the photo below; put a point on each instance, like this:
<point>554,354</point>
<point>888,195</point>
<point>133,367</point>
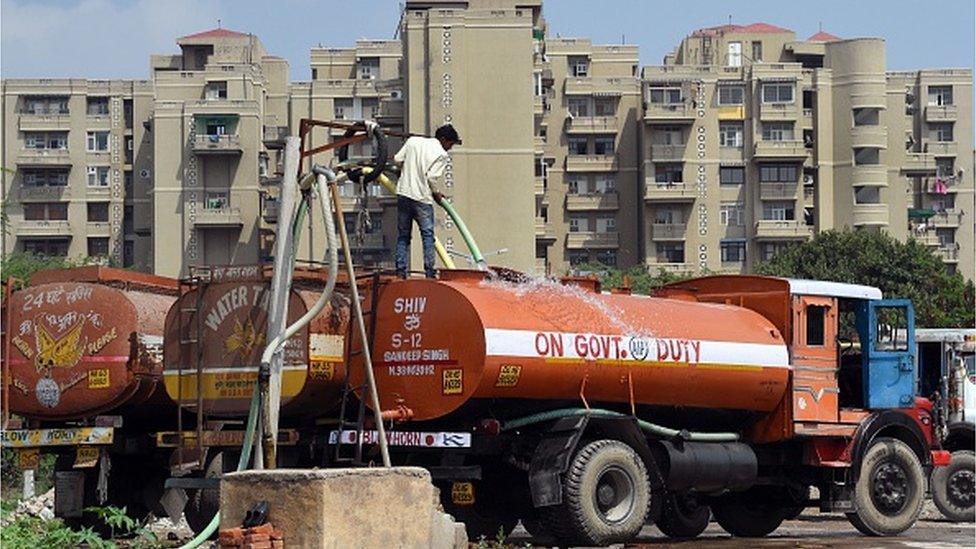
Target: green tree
<point>21,265</point>
<point>902,270</point>
<point>640,279</point>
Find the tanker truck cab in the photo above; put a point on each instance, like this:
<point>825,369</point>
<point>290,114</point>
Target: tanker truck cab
<point>586,414</point>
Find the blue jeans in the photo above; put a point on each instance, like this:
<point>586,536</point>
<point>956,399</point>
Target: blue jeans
<point>407,211</point>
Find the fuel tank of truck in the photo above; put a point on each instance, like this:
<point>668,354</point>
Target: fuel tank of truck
<point>85,341</point>
<point>440,344</point>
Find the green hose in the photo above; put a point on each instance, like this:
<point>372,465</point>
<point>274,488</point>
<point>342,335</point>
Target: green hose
<point>645,426</point>
<point>465,234</point>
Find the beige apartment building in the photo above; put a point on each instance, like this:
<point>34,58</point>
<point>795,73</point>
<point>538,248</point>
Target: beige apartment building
<point>753,140</point>
<point>743,141</point>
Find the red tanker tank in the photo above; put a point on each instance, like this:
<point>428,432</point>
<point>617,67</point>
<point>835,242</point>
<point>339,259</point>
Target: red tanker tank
<point>442,344</point>
<point>230,314</point>
<point>85,341</point>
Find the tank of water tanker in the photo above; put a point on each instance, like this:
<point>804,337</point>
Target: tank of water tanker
<point>85,341</point>
<point>441,345</point>
<point>230,316</point>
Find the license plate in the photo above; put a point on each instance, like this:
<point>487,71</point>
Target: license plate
<point>418,439</point>
<point>27,438</point>
<point>462,493</point>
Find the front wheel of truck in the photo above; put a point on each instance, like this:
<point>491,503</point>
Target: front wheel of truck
<point>890,490</point>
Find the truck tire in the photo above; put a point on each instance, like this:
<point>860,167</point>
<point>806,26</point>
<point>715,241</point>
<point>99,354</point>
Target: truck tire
<point>890,490</point>
<point>684,516</point>
<point>202,504</point>
<point>606,496</point>
<point>952,487</point>
<point>747,518</point>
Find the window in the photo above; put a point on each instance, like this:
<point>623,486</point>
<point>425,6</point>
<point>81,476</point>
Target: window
<point>940,95</point>
<point>128,222</point>
<point>607,257</point>
<point>578,257</point>
<point>127,178</point>
<point>777,93</point>
<point>768,250</point>
<point>731,95</point>
<point>578,106</point>
<point>945,167</point>
<point>577,145</point>
<point>371,107</point>
<point>809,99</point>
<point>342,109</point>
<point>668,135</point>
<point>606,224</point>
<point>603,146</point>
<point>315,74</point>
<point>892,329</point>
<point>45,105</point>
<point>779,211</point>
<point>732,214</point>
<point>604,106</point>
<point>98,246</point>
<point>757,51</point>
<point>664,96</point>
<point>670,252</point>
<point>579,67</point>
<point>98,176</point>
<point>263,165</point>
<point>667,216</point>
<point>216,201</point>
<point>867,195</point>
<point>576,185</point>
<point>668,174</point>
<point>46,211</point>
<point>777,131</point>
<point>605,184</point>
<point>215,90</point>
<point>45,178</point>
<point>866,117</point>
<point>369,68</point>
<point>816,315</point>
<point>97,106</point>
<point>777,173</point>
<point>867,156</point>
<point>730,134</point>
<point>735,54</point>
<point>98,212</point>
<point>576,224</point>
<point>216,127</point>
<point>941,132</point>
<point>52,247</point>
<point>733,251</point>
<point>128,253</point>
<point>97,141</point>
<point>731,175</point>
<point>46,140</point>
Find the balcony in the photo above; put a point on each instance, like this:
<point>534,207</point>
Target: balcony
<point>668,153</point>
<point>600,85</point>
<point>869,136</point>
<point>540,185</point>
<point>654,266</point>
<point>592,124</point>
<point>942,148</point>
<point>269,210</point>
<point>926,238</point>
<point>217,144</point>
<point>98,191</point>
<point>668,231</point>
<point>55,192</point>
<point>219,217</point>
<point>371,241</point>
<point>948,253</point>
<point>669,113</point>
<point>778,191</point>
<point>542,230</point>
<point>946,219</point>
<point>44,122</point>
<point>785,229</point>
<point>539,105</point>
<point>44,157</point>
<point>591,163</point>
<point>539,144</point>
<point>274,136</point>
<point>919,163</point>
<point>99,228</point>
<point>780,150</point>
<point>581,240</point>
<point>541,266</point>
<point>949,186</point>
<point>669,192</point>
<point>44,228</point>
<point>941,113</point>
<point>870,215</point>
<point>779,111</point>
<point>870,175</point>
<point>599,201</point>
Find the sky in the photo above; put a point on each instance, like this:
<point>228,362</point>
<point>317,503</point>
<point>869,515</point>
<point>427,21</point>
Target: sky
<point>114,38</point>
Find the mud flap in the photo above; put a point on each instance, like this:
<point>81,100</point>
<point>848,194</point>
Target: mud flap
<point>551,459</point>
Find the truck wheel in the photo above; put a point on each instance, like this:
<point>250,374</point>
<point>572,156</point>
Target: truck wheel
<point>953,487</point>
<point>745,518</point>
<point>684,516</point>
<point>204,504</point>
<point>890,490</point>
<point>606,496</point>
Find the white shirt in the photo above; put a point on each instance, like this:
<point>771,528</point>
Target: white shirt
<point>423,160</point>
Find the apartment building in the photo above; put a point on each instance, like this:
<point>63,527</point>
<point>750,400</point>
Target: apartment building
<point>76,159</point>
<point>753,140</point>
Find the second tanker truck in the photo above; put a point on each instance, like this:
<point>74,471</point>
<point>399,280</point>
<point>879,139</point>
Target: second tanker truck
<point>586,414</point>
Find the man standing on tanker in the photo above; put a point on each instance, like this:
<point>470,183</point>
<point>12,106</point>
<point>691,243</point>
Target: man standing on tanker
<point>423,161</point>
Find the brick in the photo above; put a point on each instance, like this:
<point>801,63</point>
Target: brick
<point>256,538</point>
<point>265,528</point>
<point>277,535</point>
<point>277,544</point>
<point>258,545</point>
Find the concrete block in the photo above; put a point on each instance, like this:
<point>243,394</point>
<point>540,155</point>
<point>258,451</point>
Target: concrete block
<point>340,508</point>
